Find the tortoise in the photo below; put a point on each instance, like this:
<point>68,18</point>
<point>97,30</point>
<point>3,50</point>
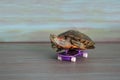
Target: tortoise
<point>71,39</point>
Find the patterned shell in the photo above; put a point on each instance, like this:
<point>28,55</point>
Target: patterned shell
<point>76,38</point>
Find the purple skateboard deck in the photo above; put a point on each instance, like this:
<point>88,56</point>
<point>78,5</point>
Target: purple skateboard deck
<point>71,55</point>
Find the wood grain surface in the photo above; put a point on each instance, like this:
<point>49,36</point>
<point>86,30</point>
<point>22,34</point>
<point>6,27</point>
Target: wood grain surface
<point>38,62</point>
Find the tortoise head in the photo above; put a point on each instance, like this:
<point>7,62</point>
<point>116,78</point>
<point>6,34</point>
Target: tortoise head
<point>53,38</point>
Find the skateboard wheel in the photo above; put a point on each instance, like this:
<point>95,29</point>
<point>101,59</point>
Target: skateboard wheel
<point>73,59</point>
<point>59,58</point>
<point>85,55</point>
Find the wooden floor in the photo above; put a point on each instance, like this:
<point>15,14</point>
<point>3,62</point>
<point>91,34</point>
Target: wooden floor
<point>38,62</point>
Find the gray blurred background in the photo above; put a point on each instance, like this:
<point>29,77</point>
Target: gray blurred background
<point>34,20</point>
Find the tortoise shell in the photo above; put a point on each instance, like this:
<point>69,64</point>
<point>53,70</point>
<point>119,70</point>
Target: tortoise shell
<point>71,39</point>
